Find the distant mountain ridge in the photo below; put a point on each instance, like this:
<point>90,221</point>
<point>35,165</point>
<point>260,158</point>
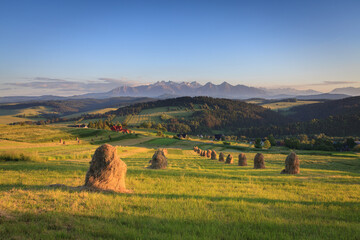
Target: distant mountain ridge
<point>352,91</point>
<point>170,89</point>
<point>223,90</point>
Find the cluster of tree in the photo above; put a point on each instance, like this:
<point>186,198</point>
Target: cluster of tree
<point>104,124</point>
<point>319,142</point>
<point>152,125</point>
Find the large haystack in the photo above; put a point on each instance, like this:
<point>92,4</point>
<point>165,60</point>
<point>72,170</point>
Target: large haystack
<point>242,160</point>
<point>159,160</point>
<point>229,159</point>
<point>107,171</point>
<point>213,155</point>
<point>259,161</point>
<point>208,153</point>
<point>221,157</point>
<point>292,164</point>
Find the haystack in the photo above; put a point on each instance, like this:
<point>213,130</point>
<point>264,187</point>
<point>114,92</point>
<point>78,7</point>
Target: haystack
<point>195,148</point>
<point>107,171</point>
<point>213,155</point>
<point>203,153</point>
<point>259,161</point>
<point>221,157</point>
<point>208,153</point>
<point>159,160</point>
<point>242,160</point>
<point>292,164</point>
<point>229,159</point>
<point>164,150</point>
<point>198,150</point>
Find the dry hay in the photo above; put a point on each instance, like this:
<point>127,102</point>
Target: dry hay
<point>159,160</point>
<point>221,157</point>
<point>292,164</point>
<point>213,155</point>
<point>208,153</point>
<point>164,150</point>
<point>259,161</point>
<point>242,160</point>
<point>107,171</point>
<point>229,159</point>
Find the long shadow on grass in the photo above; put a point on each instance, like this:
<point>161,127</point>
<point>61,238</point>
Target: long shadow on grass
<point>250,200</point>
<point>54,225</point>
<point>38,166</point>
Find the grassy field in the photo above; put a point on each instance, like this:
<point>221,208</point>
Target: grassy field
<point>24,114</point>
<point>194,198</point>
<point>286,105</point>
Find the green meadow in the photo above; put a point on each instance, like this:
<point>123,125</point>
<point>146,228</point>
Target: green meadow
<point>194,198</point>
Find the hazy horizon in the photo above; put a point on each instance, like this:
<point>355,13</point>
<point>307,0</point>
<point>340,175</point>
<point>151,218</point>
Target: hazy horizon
<point>67,48</point>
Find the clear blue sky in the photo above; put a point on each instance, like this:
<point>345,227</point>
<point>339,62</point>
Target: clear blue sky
<point>97,44</point>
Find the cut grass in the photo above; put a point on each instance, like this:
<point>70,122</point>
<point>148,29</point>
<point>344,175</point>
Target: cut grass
<point>194,198</point>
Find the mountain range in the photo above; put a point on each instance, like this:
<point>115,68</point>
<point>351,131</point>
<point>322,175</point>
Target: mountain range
<point>170,89</point>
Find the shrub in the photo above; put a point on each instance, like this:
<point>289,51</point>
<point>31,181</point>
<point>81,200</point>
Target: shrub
<point>293,143</point>
<point>267,144</point>
<point>357,148</point>
<point>226,143</point>
<point>272,140</point>
<point>258,143</point>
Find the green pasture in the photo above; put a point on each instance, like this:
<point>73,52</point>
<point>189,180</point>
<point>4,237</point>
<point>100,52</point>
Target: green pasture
<point>194,198</point>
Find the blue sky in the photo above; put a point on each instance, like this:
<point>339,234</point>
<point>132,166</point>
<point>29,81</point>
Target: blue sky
<point>69,47</point>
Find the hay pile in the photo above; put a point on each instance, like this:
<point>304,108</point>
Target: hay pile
<point>208,153</point>
<point>221,157</point>
<point>242,160</point>
<point>198,150</point>
<point>195,148</point>
<point>164,150</point>
<point>159,160</point>
<point>213,155</point>
<point>292,164</point>
<point>229,159</point>
<point>203,153</point>
<point>259,161</point>
<point>107,171</point>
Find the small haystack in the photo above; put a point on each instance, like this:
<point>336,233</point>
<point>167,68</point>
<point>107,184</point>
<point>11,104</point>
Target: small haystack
<point>221,157</point>
<point>199,151</point>
<point>203,153</point>
<point>213,155</point>
<point>292,164</point>
<point>242,160</point>
<point>229,159</point>
<point>164,150</point>
<point>60,141</point>
<point>159,160</point>
<point>259,161</point>
<point>195,148</point>
<point>107,171</point>
<point>208,153</point>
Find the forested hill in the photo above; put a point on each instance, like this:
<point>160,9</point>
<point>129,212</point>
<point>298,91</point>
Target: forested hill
<point>215,113</point>
<point>346,106</point>
<point>63,107</point>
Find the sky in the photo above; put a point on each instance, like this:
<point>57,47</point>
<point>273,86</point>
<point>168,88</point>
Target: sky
<point>70,47</point>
